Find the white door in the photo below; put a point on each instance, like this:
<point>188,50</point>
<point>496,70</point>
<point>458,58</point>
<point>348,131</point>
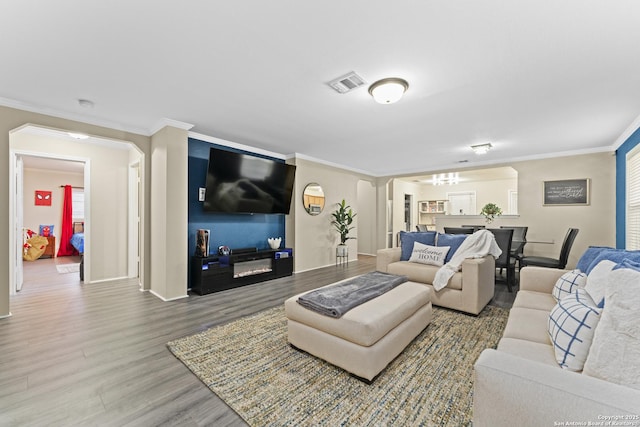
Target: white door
<point>18,210</point>
<point>134,221</point>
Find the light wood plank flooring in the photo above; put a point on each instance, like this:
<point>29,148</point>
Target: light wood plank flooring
<point>76,354</point>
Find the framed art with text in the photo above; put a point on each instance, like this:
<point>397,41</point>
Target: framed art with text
<point>566,192</point>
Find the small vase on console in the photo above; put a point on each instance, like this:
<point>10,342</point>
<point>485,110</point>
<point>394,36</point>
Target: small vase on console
<point>274,242</point>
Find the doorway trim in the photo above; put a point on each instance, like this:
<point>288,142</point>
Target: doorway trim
<point>15,235</point>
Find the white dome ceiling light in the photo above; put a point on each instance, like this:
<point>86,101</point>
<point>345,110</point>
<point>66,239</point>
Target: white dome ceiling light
<point>389,90</point>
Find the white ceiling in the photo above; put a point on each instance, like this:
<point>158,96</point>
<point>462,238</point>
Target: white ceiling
<point>535,78</point>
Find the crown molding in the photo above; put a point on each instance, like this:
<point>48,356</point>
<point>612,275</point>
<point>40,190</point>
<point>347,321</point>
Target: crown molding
<point>634,126</point>
<point>243,147</point>
<point>164,122</point>
<point>452,167</point>
<point>331,164</point>
<point>19,105</point>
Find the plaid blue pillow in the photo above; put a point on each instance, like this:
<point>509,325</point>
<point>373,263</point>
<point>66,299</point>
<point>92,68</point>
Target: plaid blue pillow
<point>572,323</point>
<point>568,283</point>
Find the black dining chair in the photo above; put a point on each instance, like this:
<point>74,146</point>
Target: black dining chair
<point>561,261</point>
<point>475,227</point>
<point>458,230</point>
<point>504,238</point>
<point>518,242</point>
<point>421,227</point>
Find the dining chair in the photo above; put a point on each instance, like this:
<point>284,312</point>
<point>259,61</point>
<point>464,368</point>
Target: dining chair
<point>458,230</point>
<point>518,243</point>
<point>561,261</point>
<point>421,227</point>
<point>475,227</point>
<point>504,238</point>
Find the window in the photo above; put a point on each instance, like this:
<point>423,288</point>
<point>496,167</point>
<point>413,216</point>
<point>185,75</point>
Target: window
<point>633,200</point>
<point>77,203</point>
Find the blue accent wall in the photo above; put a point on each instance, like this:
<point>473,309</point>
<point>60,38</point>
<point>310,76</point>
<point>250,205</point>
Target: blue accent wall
<point>233,230</point>
<point>621,193</point>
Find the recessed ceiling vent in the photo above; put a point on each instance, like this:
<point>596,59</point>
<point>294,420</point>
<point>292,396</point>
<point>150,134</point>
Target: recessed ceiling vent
<point>347,83</point>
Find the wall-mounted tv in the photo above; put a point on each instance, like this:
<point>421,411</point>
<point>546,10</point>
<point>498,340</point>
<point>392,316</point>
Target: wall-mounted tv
<point>240,183</point>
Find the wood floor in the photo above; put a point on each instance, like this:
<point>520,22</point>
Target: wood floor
<point>76,354</point>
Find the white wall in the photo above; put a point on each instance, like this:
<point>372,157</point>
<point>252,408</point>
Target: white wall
<point>367,218</point>
<point>47,180</point>
<point>169,204</point>
<point>596,221</point>
<point>313,238</point>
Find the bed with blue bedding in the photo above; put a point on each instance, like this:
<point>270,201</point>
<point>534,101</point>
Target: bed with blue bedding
<point>77,241</point>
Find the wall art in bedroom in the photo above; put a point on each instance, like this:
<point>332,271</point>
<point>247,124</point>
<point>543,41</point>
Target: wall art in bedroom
<point>43,198</point>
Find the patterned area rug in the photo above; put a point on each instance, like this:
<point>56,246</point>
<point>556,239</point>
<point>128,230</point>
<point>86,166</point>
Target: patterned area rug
<point>249,364</point>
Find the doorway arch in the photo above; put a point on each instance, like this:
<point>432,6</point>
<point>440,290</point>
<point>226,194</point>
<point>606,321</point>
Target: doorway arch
<point>108,198</point>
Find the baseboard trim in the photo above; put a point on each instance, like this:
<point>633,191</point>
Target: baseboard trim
<point>167,299</point>
<point>6,316</point>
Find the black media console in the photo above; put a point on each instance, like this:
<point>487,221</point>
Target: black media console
<point>242,267</point>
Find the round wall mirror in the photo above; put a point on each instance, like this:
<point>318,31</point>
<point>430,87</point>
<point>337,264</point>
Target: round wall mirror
<point>313,198</point>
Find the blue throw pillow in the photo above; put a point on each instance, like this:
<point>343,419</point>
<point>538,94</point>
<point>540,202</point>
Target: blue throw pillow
<point>615,255</point>
<point>588,256</point>
<point>407,239</point>
<point>453,241</point>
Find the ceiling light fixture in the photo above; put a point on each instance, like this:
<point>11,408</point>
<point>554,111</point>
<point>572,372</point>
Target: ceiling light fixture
<point>481,148</point>
<point>389,90</point>
<point>450,178</point>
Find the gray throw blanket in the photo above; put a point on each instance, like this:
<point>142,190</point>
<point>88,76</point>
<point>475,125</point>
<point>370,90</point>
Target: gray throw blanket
<point>335,301</point>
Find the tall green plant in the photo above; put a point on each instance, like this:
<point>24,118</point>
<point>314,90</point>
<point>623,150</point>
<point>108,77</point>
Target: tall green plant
<point>342,220</point>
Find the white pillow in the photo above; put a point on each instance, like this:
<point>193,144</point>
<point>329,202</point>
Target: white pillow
<point>572,323</point>
<point>425,254</point>
<point>597,281</point>
<point>568,283</point>
<point>615,352</point>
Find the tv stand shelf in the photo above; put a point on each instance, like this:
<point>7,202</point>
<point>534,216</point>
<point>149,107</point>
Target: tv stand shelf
<point>218,273</point>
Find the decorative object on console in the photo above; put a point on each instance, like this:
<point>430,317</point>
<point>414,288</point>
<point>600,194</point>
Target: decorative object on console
<point>490,212</point>
<point>274,242</point>
<point>224,250</point>
<point>43,198</point>
<point>202,242</point>
<point>342,220</point>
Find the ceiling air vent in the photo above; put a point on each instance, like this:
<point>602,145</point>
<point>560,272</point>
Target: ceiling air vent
<point>347,82</point>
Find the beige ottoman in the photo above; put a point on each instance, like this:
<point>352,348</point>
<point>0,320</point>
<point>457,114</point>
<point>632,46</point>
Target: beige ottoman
<point>368,337</point>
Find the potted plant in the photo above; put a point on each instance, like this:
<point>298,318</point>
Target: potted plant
<point>342,220</point>
<point>490,212</point>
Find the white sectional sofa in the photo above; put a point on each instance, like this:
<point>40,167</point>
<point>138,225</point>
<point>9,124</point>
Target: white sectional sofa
<point>521,383</point>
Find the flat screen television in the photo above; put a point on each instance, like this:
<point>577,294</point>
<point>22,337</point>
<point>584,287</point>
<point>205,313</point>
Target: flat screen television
<point>240,183</point>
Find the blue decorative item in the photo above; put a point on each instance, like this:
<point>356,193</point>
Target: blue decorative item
<point>407,239</point>
<point>453,241</point>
